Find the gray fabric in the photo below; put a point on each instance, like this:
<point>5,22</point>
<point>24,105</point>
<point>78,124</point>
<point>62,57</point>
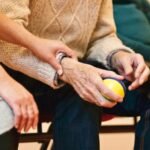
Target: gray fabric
<point>6,117</point>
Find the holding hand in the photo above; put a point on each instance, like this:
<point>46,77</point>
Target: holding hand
<point>47,50</point>
<point>132,66</point>
<point>87,82</point>
<point>21,102</point>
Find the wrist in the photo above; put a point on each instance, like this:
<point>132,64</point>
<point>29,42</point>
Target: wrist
<point>3,74</point>
<point>4,79</point>
<point>68,65</point>
<point>115,56</point>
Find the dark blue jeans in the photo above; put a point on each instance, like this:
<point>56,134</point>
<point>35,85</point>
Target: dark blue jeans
<point>76,123</point>
<point>136,104</point>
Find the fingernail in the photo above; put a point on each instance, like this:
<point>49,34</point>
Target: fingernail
<point>141,81</point>
<point>60,72</point>
<point>130,88</point>
<point>120,99</point>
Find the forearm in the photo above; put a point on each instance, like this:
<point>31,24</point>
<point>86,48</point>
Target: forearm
<point>3,74</point>
<point>15,33</point>
<point>22,60</point>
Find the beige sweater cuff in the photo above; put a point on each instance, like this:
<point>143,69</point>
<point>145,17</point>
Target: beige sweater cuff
<point>102,49</point>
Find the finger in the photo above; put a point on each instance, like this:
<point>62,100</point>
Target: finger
<point>17,112</point>
<point>138,82</point>
<point>109,94</point>
<point>84,93</point>
<point>29,123</point>
<point>36,118</point>
<point>56,65</point>
<point>99,99</point>
<point>24,118</point>
<point>89,98</point>
<point>127,68</point>
<point>106,103</point>
<point>140,64</point>
<point>144,76</point>
<point>134,85</point>
<point>109,74</point>
<point>140,68</point>
<point>92,95</point>
<point>79,88</point>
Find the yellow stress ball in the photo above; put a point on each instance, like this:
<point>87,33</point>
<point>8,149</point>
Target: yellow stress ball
<point>117,86</point>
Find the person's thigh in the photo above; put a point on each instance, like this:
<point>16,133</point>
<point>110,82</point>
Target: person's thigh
<point>135,103</point>
<point>9,140</point>
<point>76,123</point>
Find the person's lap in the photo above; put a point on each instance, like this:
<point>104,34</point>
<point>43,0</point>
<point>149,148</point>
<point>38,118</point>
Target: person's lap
<point>134,104</point>
<point>69,115</point>
<point>72,116</point>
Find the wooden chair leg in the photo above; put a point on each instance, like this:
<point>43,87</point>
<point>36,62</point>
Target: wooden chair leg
<point>46,144</point>
<point>135,119</point>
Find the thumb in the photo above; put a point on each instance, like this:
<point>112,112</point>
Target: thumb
<point>127,68</point>
<point>55,64</point>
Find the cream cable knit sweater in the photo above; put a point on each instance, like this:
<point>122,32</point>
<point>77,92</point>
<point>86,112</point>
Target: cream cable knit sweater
<point>86,26</point>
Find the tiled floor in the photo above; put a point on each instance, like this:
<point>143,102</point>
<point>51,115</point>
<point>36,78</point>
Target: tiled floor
<point>117,141</point>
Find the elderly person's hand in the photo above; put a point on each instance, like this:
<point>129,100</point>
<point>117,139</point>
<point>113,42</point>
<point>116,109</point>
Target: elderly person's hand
<point>87,82</point>
<point>21,102</point>
<point>132,66</point>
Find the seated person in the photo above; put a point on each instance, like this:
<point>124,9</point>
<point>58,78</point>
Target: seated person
<point>91,34</point>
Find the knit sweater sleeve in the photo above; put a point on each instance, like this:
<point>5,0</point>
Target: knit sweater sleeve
<point>19,58</point>
<point>104,40</point>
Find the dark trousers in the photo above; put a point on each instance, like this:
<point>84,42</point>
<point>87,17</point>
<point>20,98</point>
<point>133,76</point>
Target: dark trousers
<point>76,123</point>
<point>9,140</point>
<point>136,104</point>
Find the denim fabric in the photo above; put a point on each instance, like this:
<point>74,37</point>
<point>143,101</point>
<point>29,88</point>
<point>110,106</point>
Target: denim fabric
<point>136,104</point>
<point>76,123</point>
